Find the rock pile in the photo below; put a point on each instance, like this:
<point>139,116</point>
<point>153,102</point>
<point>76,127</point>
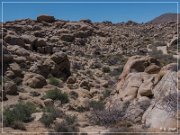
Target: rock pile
<point>158,89</point>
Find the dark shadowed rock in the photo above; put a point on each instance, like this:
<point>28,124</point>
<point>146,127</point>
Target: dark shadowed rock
<point>14,40</point>
<point>45,18</point>
<point>10,88</point>
<point>67,37</point>
<point>57,65</point>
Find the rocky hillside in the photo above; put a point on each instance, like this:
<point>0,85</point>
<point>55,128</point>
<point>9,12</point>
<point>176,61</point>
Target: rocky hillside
<point>166,18</point>
<point>62,76</point>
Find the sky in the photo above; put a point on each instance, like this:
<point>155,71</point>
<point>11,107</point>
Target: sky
<point>97,12</point>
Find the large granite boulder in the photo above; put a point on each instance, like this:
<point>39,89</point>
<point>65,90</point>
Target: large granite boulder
<point>136,64</point>
<point>163,111</point>
<point>57,65</point>
<point>34,80</point>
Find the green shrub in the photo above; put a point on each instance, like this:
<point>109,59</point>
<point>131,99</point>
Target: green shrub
<point>17,114</point>
<point>57,95</point>
<point>67,125</point>
<point>70,119</point>
<point>54,81</point>
<point>97,105</point>
<point>49,115</point>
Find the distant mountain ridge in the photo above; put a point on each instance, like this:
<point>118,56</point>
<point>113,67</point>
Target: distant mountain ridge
<point>165,18</point>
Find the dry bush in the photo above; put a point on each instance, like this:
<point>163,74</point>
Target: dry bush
<point>164,59</point>
<point>108,116</point>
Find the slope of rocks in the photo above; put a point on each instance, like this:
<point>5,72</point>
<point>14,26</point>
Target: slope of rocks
<point>127,65</point>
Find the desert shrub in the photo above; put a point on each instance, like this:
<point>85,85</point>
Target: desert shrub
<point>49,115</point>
<point>69,124</point>
<point>164,59</point>
<point>70,119</point>
<point>54,81</point>
<point>82,109</point>
<point>110,115</point>
<point>57,94</point>
<point>97,105</point>
<point>64,127</point>
<point>19,125</point>
<point>106,117</point>
<point>106,93</point>
<point>114,59</point>
<point>117,71</point>
<point>21,112</point>
<point>106,69</point>
<point>159,43</point>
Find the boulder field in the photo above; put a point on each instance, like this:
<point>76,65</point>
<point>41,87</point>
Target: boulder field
<point>85,76</point>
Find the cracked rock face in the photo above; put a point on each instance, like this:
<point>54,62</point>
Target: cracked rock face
<point>159,88</point>
<point>163,112</point>
<point>137,84</point>
<point>134,80</point>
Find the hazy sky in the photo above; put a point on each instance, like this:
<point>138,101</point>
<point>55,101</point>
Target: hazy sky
<point>115,12</point>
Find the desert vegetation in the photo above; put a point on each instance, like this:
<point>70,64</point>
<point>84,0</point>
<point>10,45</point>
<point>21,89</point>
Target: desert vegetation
<point>16,115</point>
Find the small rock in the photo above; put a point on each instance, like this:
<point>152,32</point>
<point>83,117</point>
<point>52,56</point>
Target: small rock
<point>57,103</point>
<point>23,96</point>
<point>14,40</point>
<point>48,102</point>
<point>34,94</point>
<point>106,69</point>
<point>73,94</point>
<point>28,39</point>
<point>152,69</point>
<point>67,37</point>
<point>37,116</point>
<point>10,88</point>
<point>59,57</point>
<point>16,69</point>
<point>85,85</point>
<point>71,80</point>
<point>105,84</point>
